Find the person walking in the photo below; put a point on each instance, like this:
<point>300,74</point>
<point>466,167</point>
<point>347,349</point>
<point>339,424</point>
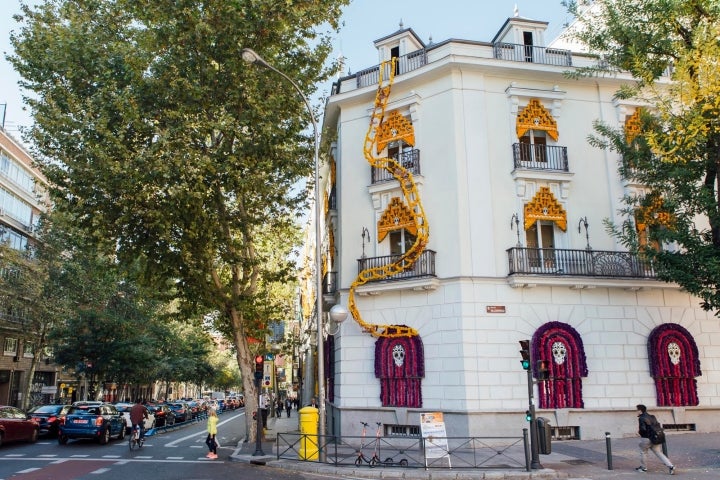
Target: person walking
<point>288,406</point>
<point>648,424</point>
<point>210,441</point>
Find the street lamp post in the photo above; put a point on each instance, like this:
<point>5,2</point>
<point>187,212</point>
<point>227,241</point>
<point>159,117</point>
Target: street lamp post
<point>250,56</point>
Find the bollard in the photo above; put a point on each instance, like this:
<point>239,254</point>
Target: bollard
<point>608,447</point>
<point>309,433</point>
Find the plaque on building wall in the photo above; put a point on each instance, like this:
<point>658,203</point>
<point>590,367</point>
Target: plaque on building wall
<point>495,309</point>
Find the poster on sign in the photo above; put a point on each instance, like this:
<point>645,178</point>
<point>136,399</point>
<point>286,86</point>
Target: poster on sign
<point>432,428</point>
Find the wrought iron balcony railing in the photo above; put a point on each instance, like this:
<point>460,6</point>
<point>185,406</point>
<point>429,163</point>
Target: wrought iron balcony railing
<point>588,263</point>
<point>410,160</point>
<point>530,53</point>
<point>406,63</point>
<point>540,157</point>
<point>424,267</point>
<point>330,283</point>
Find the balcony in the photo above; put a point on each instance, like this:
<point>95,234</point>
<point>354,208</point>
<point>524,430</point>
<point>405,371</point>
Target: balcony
<point>532,54</point>
<point>406,63</point>
<point>420,276</point>
<point>540,157</point>
<point>410,160</point>
<point>330,283</point>
<point>585,263</point>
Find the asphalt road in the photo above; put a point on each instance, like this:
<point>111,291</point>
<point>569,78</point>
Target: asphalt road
<point>175,455</point>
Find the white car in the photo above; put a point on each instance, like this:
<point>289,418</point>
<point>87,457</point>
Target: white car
<point>124,408</point>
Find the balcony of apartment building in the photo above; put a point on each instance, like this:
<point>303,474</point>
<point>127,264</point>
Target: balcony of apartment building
<point>516,52</point>
<point>329,288</point>
<point>540,157</point>
<point>418,276</point>
<point>408,159</point>
<point>585,268</point>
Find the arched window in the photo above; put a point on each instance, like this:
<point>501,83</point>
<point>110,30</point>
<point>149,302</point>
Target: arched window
<point>674,364</point>
<point>561,345</point>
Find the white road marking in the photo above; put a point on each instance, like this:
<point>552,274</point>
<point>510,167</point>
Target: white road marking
<point>100,471</point>
<point>174,458</point>
<point>79,456</point>
<point>28,470</point>
<point>15,455</point>
<point>47,455</point>
<point>111,456</point>
<point>175,442</point>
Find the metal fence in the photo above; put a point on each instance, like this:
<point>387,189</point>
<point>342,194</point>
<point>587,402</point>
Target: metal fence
<point>408,452</point>
<point>592,263</point>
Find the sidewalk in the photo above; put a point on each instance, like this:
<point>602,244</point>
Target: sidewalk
<point>696,456</point>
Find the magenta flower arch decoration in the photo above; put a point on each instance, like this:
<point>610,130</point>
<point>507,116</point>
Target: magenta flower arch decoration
<point>561,345</point>
<point>400,366</point>
<point>674,364</point>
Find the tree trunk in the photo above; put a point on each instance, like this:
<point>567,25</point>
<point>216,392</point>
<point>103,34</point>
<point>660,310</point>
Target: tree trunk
<point>245,359</point>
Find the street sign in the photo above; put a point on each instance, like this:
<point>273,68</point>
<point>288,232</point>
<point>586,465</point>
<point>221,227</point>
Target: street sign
<point>269,356</point>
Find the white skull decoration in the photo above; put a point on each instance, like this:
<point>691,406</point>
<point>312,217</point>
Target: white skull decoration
<point>559,352</point>
<point>674,352</point>
<point>398,355</point>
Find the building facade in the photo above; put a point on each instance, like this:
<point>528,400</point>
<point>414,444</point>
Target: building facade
<point>22,200</point>
<point>485,228</point>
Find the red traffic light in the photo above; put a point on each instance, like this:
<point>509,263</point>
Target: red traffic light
<point>259,359</point>
<point>543,369</point>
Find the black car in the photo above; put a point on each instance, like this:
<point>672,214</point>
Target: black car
<point>163,415</point>
<point>182,411</point>
<point>49,418</point>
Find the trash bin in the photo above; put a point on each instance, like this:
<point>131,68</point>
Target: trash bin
<point>309,430</point>
<point>544,436</point>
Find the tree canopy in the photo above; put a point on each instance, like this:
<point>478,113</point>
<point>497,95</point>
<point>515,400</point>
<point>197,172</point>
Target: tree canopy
<point>672,50</point>
<point>168,149</point>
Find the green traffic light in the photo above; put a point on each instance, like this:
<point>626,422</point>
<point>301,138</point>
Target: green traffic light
<point>528,417</point>
<point>525,364</point>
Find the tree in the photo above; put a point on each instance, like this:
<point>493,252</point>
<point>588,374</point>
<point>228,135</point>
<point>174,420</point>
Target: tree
<point>675,154</point>
<point>167,148</point>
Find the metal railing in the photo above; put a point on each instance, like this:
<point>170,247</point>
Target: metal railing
<point>330,283</point>
<point>540,157</point>
<point>530,53</point>
<point>588,263</point>
<point>404,64</point>
<point>424,267</point>
<point>410,160</point>
<point>408,452</point>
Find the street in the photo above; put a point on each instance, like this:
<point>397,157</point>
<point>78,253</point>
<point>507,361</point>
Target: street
<point>178,454</point>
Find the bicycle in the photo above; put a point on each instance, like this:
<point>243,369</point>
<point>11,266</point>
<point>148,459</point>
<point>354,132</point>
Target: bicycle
<point>361,458</point>
<point>136,439</point>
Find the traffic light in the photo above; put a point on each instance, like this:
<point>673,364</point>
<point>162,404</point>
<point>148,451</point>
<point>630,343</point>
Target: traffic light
<point>525,352</point>
<point>528,416</point>
<point>543,370</point>
<point>259,367</point>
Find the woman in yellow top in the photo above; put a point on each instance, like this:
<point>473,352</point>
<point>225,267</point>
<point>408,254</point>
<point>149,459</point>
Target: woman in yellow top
<point>212,431</point>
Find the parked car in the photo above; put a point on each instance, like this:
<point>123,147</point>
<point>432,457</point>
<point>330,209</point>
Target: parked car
<point>181,410</point>
<point>194,409</point>
<point>88,420</point>
<point>48,418</point>
<point>16,425</point>
<point>163,415</point>
<point>124,408</point>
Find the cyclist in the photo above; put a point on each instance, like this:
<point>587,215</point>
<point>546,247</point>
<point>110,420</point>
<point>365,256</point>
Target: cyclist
<point>138,414</point>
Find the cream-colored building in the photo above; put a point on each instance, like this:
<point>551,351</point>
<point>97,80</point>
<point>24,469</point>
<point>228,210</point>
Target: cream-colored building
<point>501,224</point>
<point>22,199</point>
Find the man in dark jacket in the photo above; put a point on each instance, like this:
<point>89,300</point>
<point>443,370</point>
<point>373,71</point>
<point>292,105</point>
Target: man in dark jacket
<point>645,420</point>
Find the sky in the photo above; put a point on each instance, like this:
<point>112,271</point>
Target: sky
<point>364,21</point>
